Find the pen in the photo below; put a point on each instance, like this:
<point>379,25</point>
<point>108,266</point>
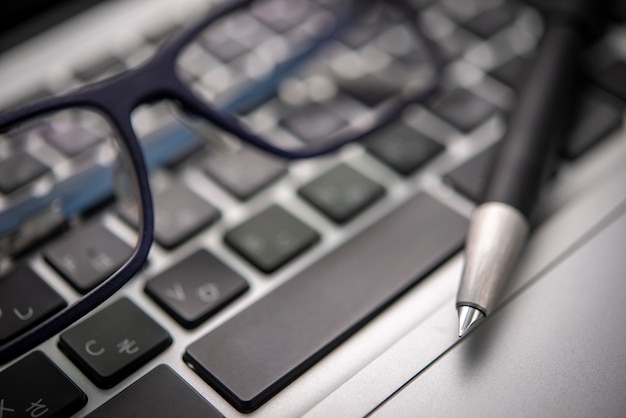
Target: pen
<point>499,226</point>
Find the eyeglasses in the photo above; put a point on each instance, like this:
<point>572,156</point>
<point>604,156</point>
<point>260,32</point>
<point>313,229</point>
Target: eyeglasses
<point>321,59</point>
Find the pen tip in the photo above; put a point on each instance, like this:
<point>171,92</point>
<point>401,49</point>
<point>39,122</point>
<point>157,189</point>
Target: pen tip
<point>468,319</point>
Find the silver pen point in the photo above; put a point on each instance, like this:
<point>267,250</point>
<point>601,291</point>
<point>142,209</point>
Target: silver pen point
<point>468,319</point>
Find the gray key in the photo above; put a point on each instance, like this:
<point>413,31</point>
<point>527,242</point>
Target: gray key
<point>161,393</point>
<point>245,172</point>
<point>402,148</point>
<point>470,178</point>
<point>489,22</point>
<point>114,342</point>
<point>25,300</point>
<point>19,169</point>
<point>35,387</point>
<point>195,288</point>
<point>313,123</point>
<point>463,109</point>
<point>258,352</point>
<point>512,72</point>
<point>70,136</point>
<point>87,256</point>
<point>179,213</point>
<point>271,238</point>
<point>282,15</point>
<point>342,193</point>
<point>599,116</point>
<point>613,79</point>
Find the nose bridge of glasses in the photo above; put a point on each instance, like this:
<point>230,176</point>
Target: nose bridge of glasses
<point>125,92</point>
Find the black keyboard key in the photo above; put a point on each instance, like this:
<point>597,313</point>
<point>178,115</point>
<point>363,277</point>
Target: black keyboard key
<point>359,35</point>
<point>471,177</point>
<point>161,393</point>
<point>271,238</point>
<point>223,47</point>
<point>195,62</point>
<point>282,15</point>
<point>114,342</point>
<point>342,193</point>
<point>402,148</point>
<point>196,288</point>
<point>87,255</point>
<point>179,214</point>
<point>235,36</point>
<point>491,21</point>
<point>18,170</point>
<point>313,123</point>
<point>613,79</point>
<point>454,44</point>
<point>463,109</point>
<point>512,72</point>
<point>34,387</point>
<point>250,31</point>
<point>600,115</point>
<point>245,172</point>
<point>371,89</point>
<point>25,300</point>
<point>258,352</point>
<point>70,136</point>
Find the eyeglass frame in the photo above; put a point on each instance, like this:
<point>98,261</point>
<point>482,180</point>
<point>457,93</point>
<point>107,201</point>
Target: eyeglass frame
<point>157,79</point>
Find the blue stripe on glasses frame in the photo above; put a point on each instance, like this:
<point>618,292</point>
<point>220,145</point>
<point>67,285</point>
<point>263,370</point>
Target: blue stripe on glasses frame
<point>115,99</point>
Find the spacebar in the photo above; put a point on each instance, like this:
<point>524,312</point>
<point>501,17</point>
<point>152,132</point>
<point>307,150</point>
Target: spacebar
<point>258,352</point>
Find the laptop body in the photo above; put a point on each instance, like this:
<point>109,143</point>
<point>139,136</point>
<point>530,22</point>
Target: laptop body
<point>334,385</point>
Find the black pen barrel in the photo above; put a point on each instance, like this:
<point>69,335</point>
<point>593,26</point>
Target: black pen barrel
<point>538,121</point>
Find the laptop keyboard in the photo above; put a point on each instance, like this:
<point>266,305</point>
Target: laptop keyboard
<point>262,266</point>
